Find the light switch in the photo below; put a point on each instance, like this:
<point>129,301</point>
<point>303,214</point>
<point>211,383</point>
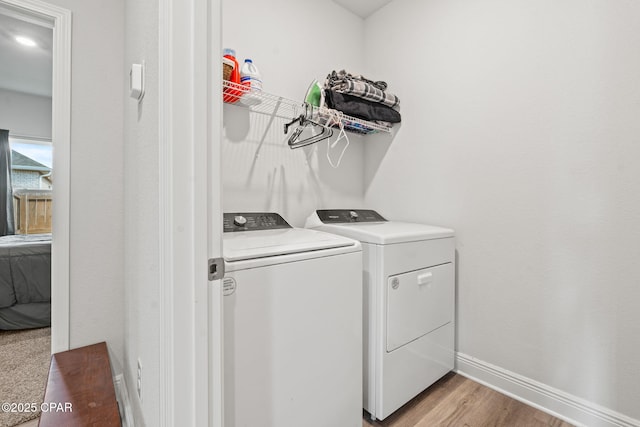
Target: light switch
<point>136,81</point>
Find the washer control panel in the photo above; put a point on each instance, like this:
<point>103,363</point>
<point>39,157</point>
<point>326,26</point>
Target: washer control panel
<point>337,216</point>
<point>253,221</point>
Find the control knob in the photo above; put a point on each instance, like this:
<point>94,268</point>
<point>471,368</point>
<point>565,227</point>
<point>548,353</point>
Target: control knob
<point>239,220</point>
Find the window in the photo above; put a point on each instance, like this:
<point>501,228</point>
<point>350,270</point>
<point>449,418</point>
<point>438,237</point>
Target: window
<point>32,182</point>
<point>31,163</point>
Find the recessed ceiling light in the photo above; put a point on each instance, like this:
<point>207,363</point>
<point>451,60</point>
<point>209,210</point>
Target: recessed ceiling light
<point>26,41</point>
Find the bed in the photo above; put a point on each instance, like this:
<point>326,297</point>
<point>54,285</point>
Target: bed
<point>25,281</point>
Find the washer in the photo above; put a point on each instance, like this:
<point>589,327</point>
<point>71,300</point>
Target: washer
<point>409,291</point>
<point>292,325</point>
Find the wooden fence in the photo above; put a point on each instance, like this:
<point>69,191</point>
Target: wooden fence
<point>32,211</point>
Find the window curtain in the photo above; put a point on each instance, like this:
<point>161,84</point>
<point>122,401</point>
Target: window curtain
<point>6,192</point>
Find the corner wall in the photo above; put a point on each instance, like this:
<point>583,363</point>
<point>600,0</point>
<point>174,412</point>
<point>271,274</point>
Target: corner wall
<point>299,41</point>
<point>520,131</point>
<point>96,210</point>
<point>141,217</point>
<point>25,114</point>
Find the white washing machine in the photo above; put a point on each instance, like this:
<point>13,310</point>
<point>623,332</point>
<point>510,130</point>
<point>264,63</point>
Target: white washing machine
<point>292,325</point>
<point>409,292</point>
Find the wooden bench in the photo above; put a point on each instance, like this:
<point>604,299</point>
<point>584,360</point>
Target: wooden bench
<point>80,390</point>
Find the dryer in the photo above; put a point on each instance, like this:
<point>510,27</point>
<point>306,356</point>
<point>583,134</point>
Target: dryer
<point>408,310</point>
<point>292,325</point>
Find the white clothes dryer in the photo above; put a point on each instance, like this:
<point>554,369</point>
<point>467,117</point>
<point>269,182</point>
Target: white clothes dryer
<point>409,293</point>
<point>292,325</point>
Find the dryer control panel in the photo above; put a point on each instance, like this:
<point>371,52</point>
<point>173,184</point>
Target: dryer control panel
<point>339,216</point>
<point>253,221</point>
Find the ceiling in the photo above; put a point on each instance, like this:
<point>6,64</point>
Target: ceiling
<point>22,68</point>
<point>362,8</point>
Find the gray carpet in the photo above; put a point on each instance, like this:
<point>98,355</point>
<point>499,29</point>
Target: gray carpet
<point>24,365</point>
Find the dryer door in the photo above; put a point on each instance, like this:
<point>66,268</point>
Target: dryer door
<point>417,303</point>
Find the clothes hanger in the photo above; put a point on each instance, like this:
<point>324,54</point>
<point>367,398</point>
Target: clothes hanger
<point>304,121</point>
<point>293,144</point>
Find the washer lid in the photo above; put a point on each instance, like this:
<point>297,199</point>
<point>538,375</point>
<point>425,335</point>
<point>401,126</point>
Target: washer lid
<point>239,246</point>
<point>384,233</point>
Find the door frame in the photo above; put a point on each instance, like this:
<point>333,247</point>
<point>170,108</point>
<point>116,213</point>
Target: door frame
<point>60,21</point>
<point>190,117</point>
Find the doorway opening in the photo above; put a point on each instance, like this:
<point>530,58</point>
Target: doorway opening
<point>34,247</point>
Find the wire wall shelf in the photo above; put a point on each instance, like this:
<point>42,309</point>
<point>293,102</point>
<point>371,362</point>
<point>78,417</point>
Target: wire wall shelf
<point>278,106</point>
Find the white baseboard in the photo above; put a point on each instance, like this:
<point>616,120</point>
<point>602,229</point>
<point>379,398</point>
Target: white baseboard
<point>562,405</point>
<point>124,405</point>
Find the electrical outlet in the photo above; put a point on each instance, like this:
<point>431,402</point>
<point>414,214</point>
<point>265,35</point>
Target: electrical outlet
<point>139,382</point>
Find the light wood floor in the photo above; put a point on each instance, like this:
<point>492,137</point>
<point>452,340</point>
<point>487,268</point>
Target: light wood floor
<point>456,401</point>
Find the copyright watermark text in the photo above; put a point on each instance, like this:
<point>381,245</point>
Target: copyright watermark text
<point>25,407</point>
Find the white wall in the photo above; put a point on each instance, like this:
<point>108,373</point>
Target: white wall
<point>25,114</point>
<point>521,131</point>
<point>96,223</point>
<point>300,41</point>
<point>141,168</point>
